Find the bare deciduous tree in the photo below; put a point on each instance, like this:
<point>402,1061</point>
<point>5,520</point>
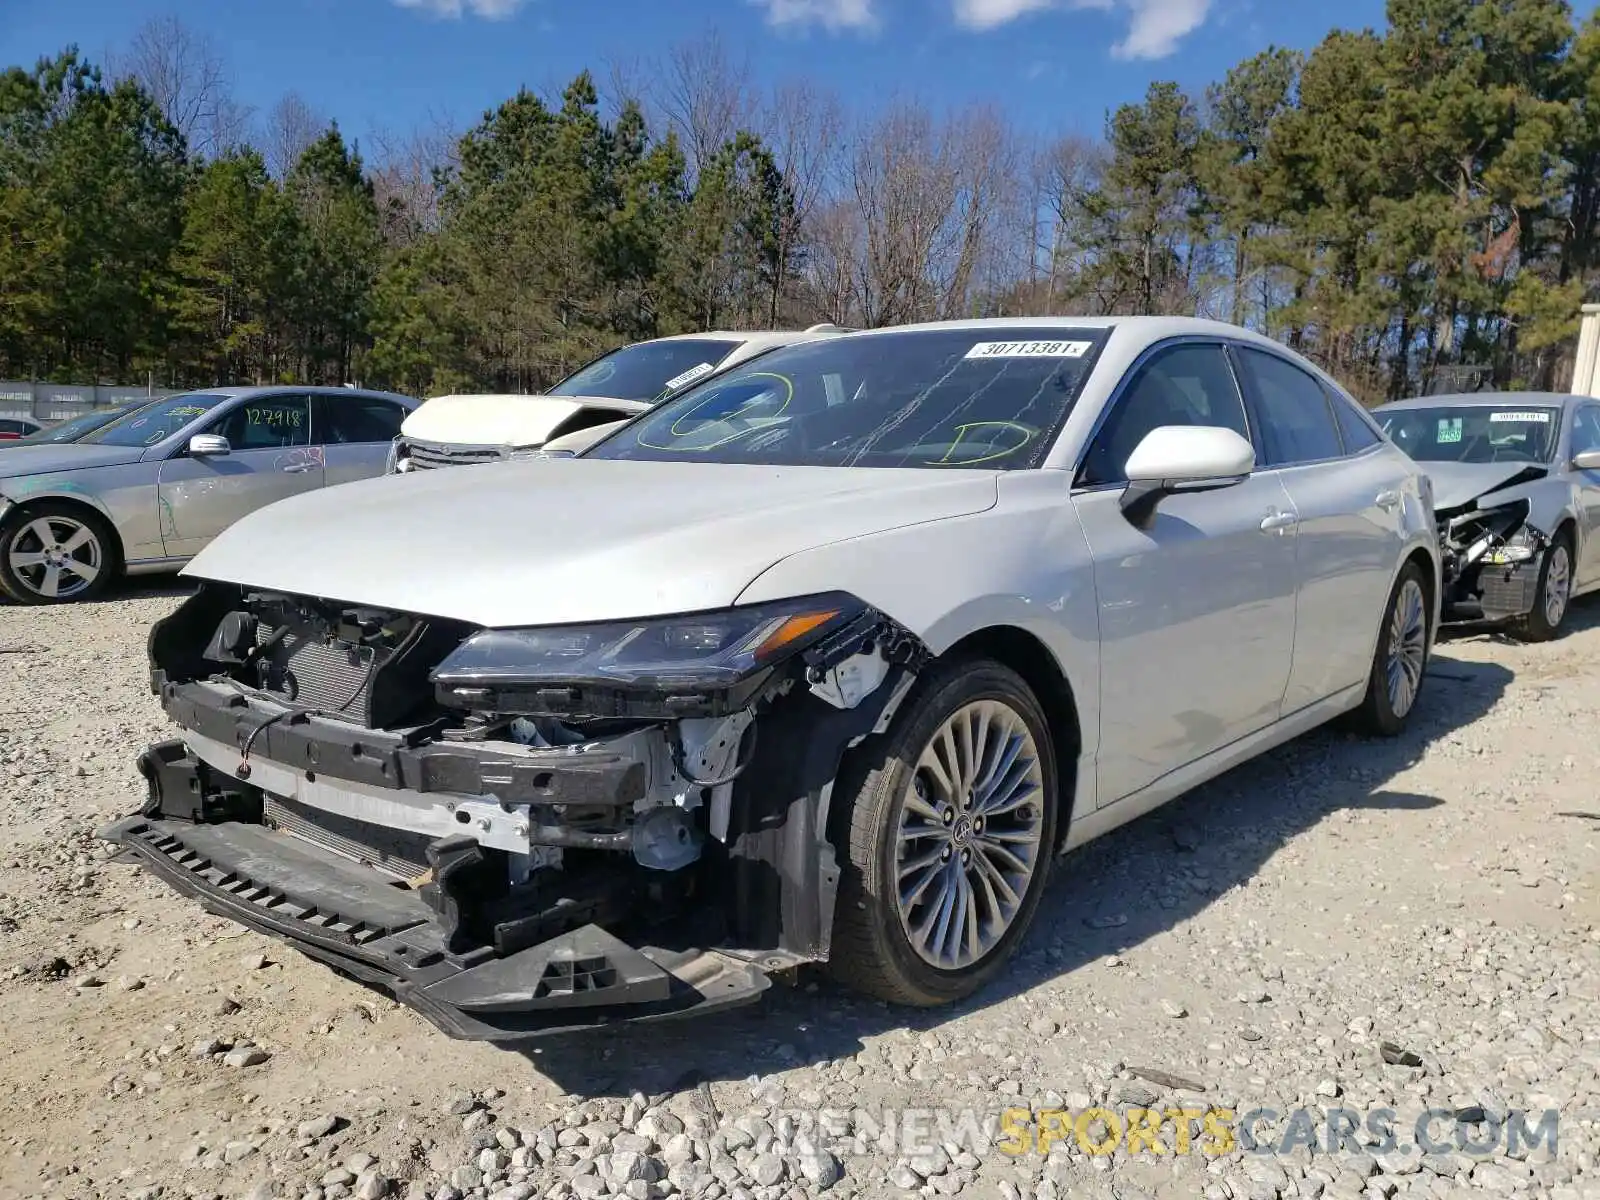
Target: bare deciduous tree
<point>705,96</point>
<point>801,126</point>
<point>291,126</point>
<point>186,75</point>
<point>408,173</point>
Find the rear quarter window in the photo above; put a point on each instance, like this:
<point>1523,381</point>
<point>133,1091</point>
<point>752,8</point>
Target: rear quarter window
<point>1358,432</point>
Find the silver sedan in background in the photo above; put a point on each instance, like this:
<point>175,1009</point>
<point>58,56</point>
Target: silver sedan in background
<point>146,492</point>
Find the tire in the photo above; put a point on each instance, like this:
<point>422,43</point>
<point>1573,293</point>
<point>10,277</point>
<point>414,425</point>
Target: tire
<point>877,811</point>
<point>56,554</point>
<point>1385,709</point>
<point>1544,623</point>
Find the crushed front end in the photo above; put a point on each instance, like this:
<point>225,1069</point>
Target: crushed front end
<point>1492,556</point>
<point>522,831</point>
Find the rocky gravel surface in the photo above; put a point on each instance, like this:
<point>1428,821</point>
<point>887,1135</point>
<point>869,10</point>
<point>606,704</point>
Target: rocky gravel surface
<point>1354,969</point>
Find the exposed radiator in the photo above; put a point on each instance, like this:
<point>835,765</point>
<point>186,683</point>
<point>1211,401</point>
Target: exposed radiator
<point>307,671</point>
<point>393,851</point>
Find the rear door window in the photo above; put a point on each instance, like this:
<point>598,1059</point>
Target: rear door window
<point>356,418</point>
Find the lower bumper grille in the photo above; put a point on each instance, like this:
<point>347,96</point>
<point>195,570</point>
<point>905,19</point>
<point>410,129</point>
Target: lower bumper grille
<point>396,852</point>
<point>1509,593</point>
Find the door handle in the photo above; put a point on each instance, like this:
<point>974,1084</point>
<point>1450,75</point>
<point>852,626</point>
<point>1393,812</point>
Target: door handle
<point>1279,521</point>
<point>1386,500</point>
<point>298,468</point>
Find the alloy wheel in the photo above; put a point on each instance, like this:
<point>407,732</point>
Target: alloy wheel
<point>1557,584</point>
<point>56,557</point>
<point>969,836</point>
<point>1408,647</point>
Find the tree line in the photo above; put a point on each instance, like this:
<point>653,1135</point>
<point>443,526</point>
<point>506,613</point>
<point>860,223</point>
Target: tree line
<point>1414,207</point>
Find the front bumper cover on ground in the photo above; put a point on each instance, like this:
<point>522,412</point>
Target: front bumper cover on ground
<point>349,917</point>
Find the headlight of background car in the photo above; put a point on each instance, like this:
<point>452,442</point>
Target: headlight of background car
<point>399,459</point>
<point>1519,547</point>
<point>525,453</point>
<point>707,650</point>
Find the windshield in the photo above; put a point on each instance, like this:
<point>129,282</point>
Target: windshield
<point>929,398</point>
<point>1474,433</point>
<point>647,370</point>
<point>71,431</point>
<point>154,422</point>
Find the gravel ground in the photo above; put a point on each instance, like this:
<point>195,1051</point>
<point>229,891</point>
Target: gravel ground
<point>1346,930</point>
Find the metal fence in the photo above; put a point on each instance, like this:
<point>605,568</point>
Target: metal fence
<point>50,402</point>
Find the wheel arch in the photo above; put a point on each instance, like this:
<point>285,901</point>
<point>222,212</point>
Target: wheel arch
<point>1029,657</point>
<point>79,504</point>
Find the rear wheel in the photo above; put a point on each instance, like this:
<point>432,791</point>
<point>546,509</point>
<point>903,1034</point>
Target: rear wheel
<point>55,554</point>
<point>1553,594</point>
<point>1400,663</point>
<point>948,836</point>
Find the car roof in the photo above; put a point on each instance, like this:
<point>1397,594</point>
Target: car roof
<point>1150,328</point>
<point>1482,400</point>
<point>309,389</point>
<point>747,336</point>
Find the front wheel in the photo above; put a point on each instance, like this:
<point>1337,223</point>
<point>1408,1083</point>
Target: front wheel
<point>1400,663</point>
<point>947,839</point>
<point>1552,595</point>
<point>55,554</point>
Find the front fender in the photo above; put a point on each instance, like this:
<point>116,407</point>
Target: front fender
<point>1023,564</point>
<point>123,496</point>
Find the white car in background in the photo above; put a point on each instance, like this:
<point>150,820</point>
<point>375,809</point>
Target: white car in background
<point>451,431</point>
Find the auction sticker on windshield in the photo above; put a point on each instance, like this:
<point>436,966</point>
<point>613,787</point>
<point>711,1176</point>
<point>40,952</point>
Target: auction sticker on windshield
<point>1029,350</point>
<point>692,373</point>
<point>1449,430</point>
<point>1519,416</point>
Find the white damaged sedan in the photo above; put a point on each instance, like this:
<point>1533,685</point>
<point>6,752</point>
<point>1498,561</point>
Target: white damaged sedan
<point>824,660</point>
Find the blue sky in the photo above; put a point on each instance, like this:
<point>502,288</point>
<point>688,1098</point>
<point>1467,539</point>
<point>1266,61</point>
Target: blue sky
<point>393,64</point>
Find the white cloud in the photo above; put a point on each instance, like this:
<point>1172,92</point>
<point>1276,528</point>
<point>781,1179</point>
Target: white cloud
<point>835,16</point>
<point>491,10</point>
<point>991,14</point>
<point>1154,27</point>
<point>1159,25</point>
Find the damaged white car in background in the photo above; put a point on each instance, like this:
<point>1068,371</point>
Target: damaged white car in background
<point>451,431</point>
<point>1516,482</point>
<point>822,661</point>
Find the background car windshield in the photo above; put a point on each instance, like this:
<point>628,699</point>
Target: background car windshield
<point>993,399</point>
<point>71,431</point>
<point>1475,433</point>
<point>646,371</point>
<point>155,422</point>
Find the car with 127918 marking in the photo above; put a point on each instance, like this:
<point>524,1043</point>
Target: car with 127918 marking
<point>143,493</point>
<point>824,660</point>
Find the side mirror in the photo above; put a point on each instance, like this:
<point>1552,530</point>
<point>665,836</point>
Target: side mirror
<point>1183,458</point>
<point>208,445</point>
<point>1589,460</point>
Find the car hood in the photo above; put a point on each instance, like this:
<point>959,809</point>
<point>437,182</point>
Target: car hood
<point>67,456</point>
<point>504,420</point>
<point>569,540</point>
<point>1456,485</point>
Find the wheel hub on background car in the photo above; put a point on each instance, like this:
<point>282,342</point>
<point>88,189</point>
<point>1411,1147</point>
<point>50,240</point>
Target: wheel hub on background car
<point>45,556</point>
<point>1558,584</point>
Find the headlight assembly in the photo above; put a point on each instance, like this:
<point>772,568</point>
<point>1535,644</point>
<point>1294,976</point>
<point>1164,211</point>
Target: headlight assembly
<point>399,459</point>
<point>693,654</point>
